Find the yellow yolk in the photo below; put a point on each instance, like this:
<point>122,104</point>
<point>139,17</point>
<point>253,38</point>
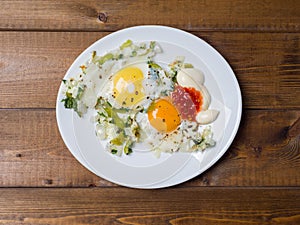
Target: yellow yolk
<point>163,116</point>
<point>128,86</point>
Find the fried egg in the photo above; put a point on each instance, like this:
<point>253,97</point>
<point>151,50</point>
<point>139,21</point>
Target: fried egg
<point>163,116</point>
<point>128,87</point>
<point>158,135</point>
<point>136,84</point>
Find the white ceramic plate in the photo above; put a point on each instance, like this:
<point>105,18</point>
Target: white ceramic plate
<point>143,169</point>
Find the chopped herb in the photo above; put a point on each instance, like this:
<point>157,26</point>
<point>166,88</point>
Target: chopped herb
<point>152,107</point>
<point>79,93</point>
<point>153,65</point>
<point>152,44</point>
<point>128,121</point>
<point>118,140</point>
<point>94,53</point>
<point>126,44</point>
<point>128,151</point>
<point>111,112</point>
<point>133,53</point>
<point>69,102</point>
<point>136,132</point>
<point>143,46</point>
<point>188,65</point>
<point>101,114</point>
<point>104,58</point>
<point>127,147</point>
<point>114,151</point>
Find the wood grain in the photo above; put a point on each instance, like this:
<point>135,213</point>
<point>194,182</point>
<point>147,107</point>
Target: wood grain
<point>264,153</point>
<point>267,66</point>
<point>167,206</point>
<point>193,15</point>
<point>33,65</point>
<point>257,180</point>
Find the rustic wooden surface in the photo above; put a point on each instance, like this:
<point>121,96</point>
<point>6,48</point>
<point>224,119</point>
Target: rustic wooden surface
<point>257,181</point>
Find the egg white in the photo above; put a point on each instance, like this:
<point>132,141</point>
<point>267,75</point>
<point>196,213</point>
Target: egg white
<point>107,90</point>
<point>179,140</point>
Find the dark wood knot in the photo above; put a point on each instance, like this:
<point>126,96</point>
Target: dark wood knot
<point>92,185</point>
<point>48,181</point>
<point>102,17</point>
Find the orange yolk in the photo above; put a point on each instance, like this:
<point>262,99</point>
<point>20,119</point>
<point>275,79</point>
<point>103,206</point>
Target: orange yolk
<point>163,116</point>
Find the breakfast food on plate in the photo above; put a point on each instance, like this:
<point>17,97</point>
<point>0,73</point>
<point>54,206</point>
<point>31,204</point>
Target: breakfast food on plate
<point>137,100</point>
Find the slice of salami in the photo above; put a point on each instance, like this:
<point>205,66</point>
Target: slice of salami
<point>184,103</point>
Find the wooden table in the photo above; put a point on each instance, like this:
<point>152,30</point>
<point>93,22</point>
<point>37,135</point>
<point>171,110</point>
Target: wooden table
<point>257,181</point>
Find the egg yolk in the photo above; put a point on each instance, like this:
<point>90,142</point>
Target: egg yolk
<point>128,86</point>
<point>163,116</point>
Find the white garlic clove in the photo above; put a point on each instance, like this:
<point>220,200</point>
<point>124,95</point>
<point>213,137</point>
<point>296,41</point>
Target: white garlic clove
<point>186,76</point>
<point>207,116</point>
<point>206,97</point>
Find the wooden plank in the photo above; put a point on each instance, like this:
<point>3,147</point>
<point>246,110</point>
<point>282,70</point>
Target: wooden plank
<point>32,152</point>
<point>33,64</point>
<point>267,67</point>
<point>264,153</point>
<point>166,206</point>
<point>190,15</point>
